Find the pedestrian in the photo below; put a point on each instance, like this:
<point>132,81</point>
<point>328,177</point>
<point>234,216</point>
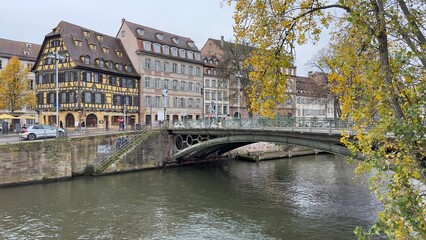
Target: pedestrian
<point>83,126</point>
<point>61,125</point>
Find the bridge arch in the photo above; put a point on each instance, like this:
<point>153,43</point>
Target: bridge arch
<point>225,144</point>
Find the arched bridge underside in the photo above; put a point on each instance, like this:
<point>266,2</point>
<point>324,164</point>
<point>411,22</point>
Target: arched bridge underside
<point>201,143</point>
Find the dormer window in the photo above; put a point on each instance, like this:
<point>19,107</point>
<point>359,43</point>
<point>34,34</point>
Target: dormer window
<point>182,53</point>
<point>100,38</point>
<point>28,45</point>
<point>111,64</point>
<point>174,51</point>
<point>190,55</point>
<point>191,44</point>
<point>140,31</point>
<point>78,43</point>
<point>92,46</point>
<point>101,63</point>
<point>159,36</point>
<point>175,40</point>
<point>120,67</point>
<point>86,34</point>
<point>86,59</point>
<point>119,54</point>
<point>105,49</point>
<point>129,68</point>
<point>26,53</point>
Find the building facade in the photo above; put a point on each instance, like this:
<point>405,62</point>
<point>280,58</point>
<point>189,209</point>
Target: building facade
<point>27,54</point>
<point>97,82</point>
<point>171,73</point>
<point>312,100</point>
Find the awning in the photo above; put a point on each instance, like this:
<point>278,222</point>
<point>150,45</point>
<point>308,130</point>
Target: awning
<point>7,116</point>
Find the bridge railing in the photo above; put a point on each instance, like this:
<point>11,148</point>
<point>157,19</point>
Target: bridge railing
<point>257,122</point>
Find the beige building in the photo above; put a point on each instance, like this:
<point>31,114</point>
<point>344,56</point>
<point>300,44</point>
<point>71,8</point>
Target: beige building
<point>171,73</point>
<point>27,54</point>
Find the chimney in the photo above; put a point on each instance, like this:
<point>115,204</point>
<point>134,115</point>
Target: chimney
<point>221,41</point>
<point>123,20</point>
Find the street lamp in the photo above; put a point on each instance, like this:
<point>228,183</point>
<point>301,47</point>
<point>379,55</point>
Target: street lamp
<point>57,57</point>
<point>238,87</point>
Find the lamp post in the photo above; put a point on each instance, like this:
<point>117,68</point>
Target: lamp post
<point>238,87</point>
<point>57,57</point>
<point>165,95</point>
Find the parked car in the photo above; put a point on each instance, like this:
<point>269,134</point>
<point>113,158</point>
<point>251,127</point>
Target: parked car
<point>41,131</point>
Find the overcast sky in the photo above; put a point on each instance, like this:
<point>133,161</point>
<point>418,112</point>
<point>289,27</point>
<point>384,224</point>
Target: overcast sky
<point>30,21</point>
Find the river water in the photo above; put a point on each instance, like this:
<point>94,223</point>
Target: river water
<point>312,197</point>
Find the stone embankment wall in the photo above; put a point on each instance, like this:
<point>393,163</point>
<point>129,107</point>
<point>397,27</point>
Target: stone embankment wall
<point>63,158</point>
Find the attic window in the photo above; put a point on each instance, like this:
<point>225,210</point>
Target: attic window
<point>86,34</point>
<point>175,40</point>
<point>92,46</point>
<point>105,49</point>
<point>159,36</point>
<point>78,43</point>
<point>28,45</point>
<point>86,59</point>
<point>26,53</point>
<point>191,44</point>
<point>140,31</point>
<point>100,38</point>
<point>119,54</point>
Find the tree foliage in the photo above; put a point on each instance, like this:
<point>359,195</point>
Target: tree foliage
<point>377,69</point>
<point>15,90</point>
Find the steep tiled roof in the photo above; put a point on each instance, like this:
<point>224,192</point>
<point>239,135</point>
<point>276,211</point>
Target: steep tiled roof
<point>23,50</point>
<point>70,32</point>
<point>149,34</point>
<point>306,86</point>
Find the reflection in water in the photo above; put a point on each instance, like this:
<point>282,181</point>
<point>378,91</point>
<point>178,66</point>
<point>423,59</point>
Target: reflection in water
<point>312,197</point>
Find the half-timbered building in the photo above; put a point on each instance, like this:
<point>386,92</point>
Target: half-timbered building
<point>171,72</point>
<point>97,82</point>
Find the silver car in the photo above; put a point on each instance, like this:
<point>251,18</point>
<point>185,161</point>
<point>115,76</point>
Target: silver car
<point>41,131</point>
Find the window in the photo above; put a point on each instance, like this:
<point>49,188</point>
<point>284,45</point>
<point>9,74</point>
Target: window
<point>190,55</point>
<point>86,34</point>
<point>213,83</point>
<point>175,100</point>
<point>105,49</point>
<point>175,66</point>
<point>213,95</point>
<point>147,45</point>
<point>174,51</point>
<point>147,102</point>
<point>54,43</point>
<point>166,67</point>
<point>182,85</point>
<point>87,76</point>
<point>197,56</point>
<point>120,67</point>
<point>119,54</point>
<point>197,71</point>
<point>100,38</point>
<point>87,97</point>
<point>48,60</point>
<point>147,82</point>
<point>190,84</point>
<point>219,96</point>
<point>86,59</point>
<point>140,31</point>
<point>157,83</point>
<point>207,83</point>
<point>111,64</point>
<point>101,63</point>
<point>166,50</point>
<point>123,82</point>
<point>198,103</point>
<point>197,87</point>
<point>157,65</point>
<point>190,102</point>
<point>112,81</point>
<point>0,65</point>
<point>29,65</point>
<point>182,69</point>
<point>157,101</point>
<point>92,46</point>
<point>207,94</point>
<point>157,48</point>
<point>182,53</point>
<point>166,83</point>
<point>175,85</point>
<point>117,100</point>
<point>190,70</point>
<point>159,36</point>
<point>209,71</point>
<point>182,103</point>
<point>175,40</point>
<point>78,43</point>
<point>191,44</point>
<point>98,98</point>
<point>129,68</point>
<point>147,63</point>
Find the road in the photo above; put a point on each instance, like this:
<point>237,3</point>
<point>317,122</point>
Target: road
<point>15,137</point>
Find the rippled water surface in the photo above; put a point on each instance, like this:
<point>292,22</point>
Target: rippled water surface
<point>313,197</point>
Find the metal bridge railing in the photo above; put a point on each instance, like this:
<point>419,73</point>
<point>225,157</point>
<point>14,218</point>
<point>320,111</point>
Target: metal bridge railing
<point>297,123</point>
